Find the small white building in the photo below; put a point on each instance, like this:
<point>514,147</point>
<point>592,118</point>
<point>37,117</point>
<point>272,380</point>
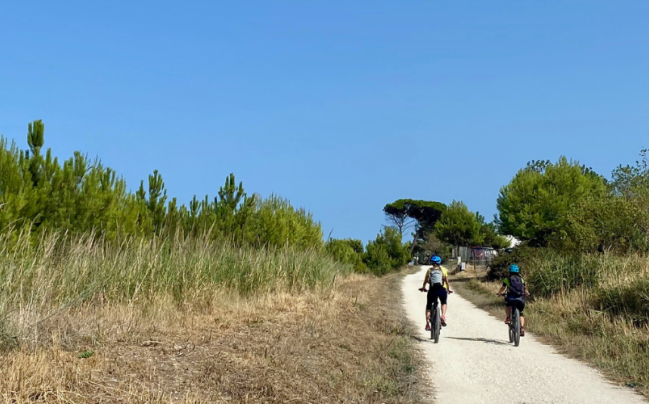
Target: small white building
<point>513,241</point>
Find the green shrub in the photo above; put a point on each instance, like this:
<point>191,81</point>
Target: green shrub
<point>547,272</point>
<point>607,223</point>
<point>499,266</point>
<point>629,299</point>
<point>386,253</point>
<point>348,251</point>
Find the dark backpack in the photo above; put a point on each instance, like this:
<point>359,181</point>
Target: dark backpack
<point>516,287</point>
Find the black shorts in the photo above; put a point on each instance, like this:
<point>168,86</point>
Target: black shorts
<point>433,295</point>
<point>519,303</point>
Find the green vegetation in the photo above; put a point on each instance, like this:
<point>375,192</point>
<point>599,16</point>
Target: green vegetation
<point>438,228</point>
<point>39,194</point>
<point>457,226</point>
<point>533,207</point>
<point>421,216</point>
<point>86,354</point>
<point>589,227</point>
<point>460,227</point>
<point>71,232</point>
<point>386,253</point>
<point>383,255</point>
<point>86,263</point>
<point>347,251</point>
<point>584,259</point>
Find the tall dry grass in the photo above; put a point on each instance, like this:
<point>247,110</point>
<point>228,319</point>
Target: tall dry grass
<point>342,343</point>
<point>38,280</point>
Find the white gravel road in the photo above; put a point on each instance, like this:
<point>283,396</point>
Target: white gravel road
<point>474,362</point>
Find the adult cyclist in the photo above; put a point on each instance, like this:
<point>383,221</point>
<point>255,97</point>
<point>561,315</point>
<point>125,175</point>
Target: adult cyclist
<point>439,288</point>
<point>516,292</point>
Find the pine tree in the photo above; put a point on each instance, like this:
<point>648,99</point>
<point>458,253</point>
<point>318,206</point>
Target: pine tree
<point>35,140</point>
<point>157,199</point>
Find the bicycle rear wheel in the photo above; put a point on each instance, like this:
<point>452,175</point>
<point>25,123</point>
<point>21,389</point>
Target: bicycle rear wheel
<point>516,316</point>
<point>433,321</point>
<point>438,324</point>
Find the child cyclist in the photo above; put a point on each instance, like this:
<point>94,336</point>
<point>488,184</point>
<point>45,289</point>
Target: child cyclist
<point>437,279</point>
<point>516,292</point>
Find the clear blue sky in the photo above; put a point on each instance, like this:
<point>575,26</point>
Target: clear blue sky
<point>341,107</point>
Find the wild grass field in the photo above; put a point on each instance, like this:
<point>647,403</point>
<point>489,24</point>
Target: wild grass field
<point>196,321</point>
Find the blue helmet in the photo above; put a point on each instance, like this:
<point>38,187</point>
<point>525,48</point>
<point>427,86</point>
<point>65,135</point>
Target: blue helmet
<point>514,269</point>
<point>436,260</point>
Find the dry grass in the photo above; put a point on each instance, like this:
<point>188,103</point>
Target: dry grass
<point>349,344</point>
<point>615,344</point>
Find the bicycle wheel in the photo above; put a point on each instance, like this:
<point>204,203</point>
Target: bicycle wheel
<point>433,321</point>
<point>438,324</point>
<point>511,332</point>
<point>517,325</point>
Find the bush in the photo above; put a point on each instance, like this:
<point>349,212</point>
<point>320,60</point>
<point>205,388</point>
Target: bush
<point>610,223</point>
<point>499,266</point>
<point>348,251</point>
<point>386,253</point>
<point>547,272</point>
<point>630,300</point>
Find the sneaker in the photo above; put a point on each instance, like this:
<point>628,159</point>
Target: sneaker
<point>427,327</point>
<point>522,331</point>
<point>508,320</point>
<point>443,321</point>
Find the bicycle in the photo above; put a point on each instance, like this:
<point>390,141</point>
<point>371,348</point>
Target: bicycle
<point>435,320</point>
<point>514,326</point>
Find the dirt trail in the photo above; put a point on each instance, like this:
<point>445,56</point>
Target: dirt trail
<point>473,360</point>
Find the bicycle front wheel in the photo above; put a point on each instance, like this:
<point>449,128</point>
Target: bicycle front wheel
<point>517,325</point>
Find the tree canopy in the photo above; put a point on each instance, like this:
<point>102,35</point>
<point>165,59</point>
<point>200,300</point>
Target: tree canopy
<point>459,226</point>
<point>421,215</point>
<point>534,205</point>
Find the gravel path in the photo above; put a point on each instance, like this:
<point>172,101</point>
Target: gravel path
<point>473,360</point>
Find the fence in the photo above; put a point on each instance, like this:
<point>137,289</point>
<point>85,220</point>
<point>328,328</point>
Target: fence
<point>463,252</point>
<point>477,256</point>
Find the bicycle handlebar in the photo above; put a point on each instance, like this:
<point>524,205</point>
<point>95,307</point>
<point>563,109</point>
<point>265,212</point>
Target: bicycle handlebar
<point>426,290</point>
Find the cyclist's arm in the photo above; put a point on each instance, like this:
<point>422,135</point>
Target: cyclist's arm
<point>448,285</point>
<point>527,293</point>
<point>502,289</point>
<point>426,279</point>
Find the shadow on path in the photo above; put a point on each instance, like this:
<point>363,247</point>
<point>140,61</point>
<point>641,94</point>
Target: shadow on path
<point>420,339</point>
<point>485,340</point>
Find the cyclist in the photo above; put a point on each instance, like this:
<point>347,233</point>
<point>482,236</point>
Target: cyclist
<point>437,279</point>
<point>516,292</point>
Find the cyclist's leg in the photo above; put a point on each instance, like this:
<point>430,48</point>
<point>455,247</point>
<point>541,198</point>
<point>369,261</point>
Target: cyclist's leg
<point>508,309</point>
<point>443,298</point>
<point>429,305</point>
<point>521,307</point>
